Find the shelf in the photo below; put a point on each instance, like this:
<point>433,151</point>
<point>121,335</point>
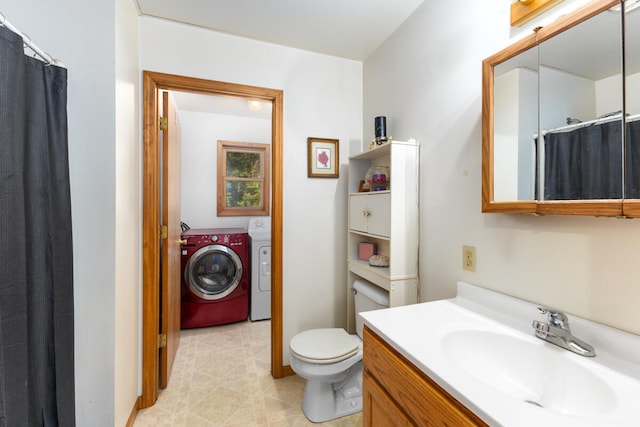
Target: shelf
<point>378,275</point>
<point>362,193</point>
<point>381,150</point>
<point>377,151</point>
<point>369,235</point>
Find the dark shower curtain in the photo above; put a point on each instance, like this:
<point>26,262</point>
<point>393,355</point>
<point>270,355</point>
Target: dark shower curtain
<point>585,163</point>
<point>36,278</point>
<point>632,161</point>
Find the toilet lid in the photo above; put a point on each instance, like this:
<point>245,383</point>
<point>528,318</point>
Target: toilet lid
<point>324,345</point>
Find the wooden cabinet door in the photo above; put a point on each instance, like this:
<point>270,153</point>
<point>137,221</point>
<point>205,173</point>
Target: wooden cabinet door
<point>378,408</point>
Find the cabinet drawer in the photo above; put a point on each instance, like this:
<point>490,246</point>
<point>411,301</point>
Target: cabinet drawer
<point>370,213</point>
<point>424,401</point>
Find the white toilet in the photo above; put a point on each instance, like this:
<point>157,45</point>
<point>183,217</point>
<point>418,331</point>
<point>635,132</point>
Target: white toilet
<point>331,361</point>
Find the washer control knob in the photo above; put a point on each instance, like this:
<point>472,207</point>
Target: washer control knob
<point>214,238</point>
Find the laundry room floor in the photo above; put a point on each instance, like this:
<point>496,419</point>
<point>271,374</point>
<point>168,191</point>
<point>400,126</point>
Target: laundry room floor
<point>222,377</point>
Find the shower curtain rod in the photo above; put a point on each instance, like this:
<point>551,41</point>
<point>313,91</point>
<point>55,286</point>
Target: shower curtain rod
<point>591,122</point>
<point>30,44</point>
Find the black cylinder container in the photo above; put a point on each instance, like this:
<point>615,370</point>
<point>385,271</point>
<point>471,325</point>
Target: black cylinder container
<point>380,123</point>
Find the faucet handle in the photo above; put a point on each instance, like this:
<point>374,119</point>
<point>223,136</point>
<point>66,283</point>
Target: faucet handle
<point>556,317</point>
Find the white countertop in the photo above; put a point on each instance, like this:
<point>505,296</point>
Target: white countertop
<point>418,332</point>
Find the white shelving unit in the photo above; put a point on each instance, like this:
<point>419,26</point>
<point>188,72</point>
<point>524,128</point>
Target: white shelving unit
<point>387,218</point>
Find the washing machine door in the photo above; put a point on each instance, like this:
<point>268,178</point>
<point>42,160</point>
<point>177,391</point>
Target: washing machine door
<point>213,272</point>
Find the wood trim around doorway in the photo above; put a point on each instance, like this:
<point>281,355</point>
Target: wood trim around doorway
<point>152,83</point>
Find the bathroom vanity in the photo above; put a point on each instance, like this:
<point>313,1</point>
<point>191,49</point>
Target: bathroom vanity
<point>474,360</point>
<point>396,392</point>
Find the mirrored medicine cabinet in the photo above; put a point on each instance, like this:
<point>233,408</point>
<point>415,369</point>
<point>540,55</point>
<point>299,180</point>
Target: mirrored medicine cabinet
<point>561,117</point>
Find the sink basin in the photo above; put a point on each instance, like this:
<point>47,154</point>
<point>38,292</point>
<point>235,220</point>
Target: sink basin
<point>532,371</point>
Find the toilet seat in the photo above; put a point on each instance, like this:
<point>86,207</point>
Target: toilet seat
<point>324,346</point>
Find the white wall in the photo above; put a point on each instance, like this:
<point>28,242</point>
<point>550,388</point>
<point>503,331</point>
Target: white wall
<point>102,74</point>
<point>128,215</point>
<point>565,95</point>
<point>506,137</point>
<point>200,134</point>
<point>608,93</point>
<point>528,121</point>
<point>322,98</point>
<point>515,108</point>
<point>426,79</point>
<point>633,102</point>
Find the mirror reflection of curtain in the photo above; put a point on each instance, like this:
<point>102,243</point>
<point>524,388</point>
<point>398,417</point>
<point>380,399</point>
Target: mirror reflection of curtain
<point>584,164</point>
<point>632,161</point>
<point>36,277</point>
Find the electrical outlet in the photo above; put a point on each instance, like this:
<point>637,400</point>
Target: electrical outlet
<point>469,258</point>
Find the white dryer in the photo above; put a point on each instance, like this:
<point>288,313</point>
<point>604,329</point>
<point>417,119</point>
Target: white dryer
<point>260,241</point>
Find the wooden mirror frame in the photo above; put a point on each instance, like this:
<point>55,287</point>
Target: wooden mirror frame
<point>606,207</point>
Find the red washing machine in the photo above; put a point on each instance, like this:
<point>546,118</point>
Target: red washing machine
<point>215,279</point>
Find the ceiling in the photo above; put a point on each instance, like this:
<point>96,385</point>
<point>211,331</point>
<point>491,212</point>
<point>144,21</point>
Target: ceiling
<point>350,29</point>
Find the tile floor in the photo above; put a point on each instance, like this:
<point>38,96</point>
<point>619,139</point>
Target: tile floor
<point>221,377</point>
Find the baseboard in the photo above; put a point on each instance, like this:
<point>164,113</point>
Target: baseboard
<point>287,371</point>
<point>134,412</point>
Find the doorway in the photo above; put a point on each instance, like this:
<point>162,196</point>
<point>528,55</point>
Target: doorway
<point>154,82</point>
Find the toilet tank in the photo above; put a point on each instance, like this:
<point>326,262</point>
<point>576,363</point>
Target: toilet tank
<point>368,297</point>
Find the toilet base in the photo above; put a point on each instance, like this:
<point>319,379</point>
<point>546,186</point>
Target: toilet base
<point>324,401</point>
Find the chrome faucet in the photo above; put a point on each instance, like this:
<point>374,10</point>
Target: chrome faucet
<point>557,332</point>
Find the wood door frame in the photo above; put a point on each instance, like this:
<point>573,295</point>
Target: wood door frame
<point>152,83</point>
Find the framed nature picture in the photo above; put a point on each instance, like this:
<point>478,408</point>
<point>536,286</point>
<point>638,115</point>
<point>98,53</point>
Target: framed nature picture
<point>323,159</point>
